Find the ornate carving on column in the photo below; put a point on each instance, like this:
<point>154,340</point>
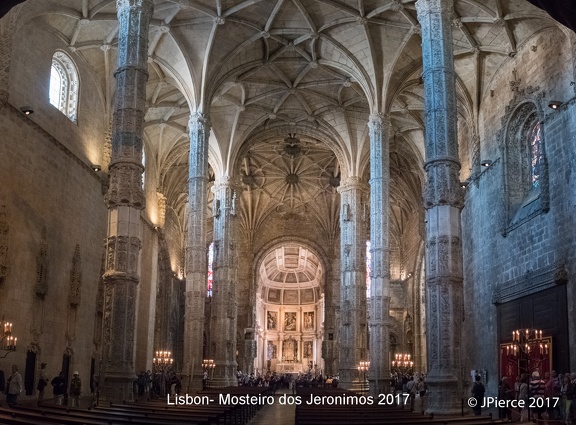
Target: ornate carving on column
<point>196,254</point>
<point>443,200</point>
<point>40,289</point>
<point>353,334</point>
<point>4,229</point>
<point>329,353</point>
<point>74,296</point>
<point>41,286</point>
<point>75,279</point>
<point>380,268</point>
<point>125,198</point>
<point>161,208</point>
<point>97,340</point>
<point>224,292</point>
<point>163,299</point>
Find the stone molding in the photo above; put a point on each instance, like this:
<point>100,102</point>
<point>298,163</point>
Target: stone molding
<point>531,282</point>
<point>41,286</point>
<point>4,245</point>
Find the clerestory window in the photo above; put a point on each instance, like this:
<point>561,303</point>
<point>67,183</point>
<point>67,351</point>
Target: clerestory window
<point>64,85</point>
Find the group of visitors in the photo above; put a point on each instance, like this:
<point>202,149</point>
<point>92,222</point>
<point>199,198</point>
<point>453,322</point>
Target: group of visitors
<point>546,397</point>
<point>14,387</point>
<point>158,384</point>
<point>277,381</point>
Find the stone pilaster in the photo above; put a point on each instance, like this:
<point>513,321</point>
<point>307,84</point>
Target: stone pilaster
<point>125,198</point>
<point>353,330</point>
<point>573,45</point>
<point>7,30</point>
<point>443,200</point>
<point>224,292</point>
<point>379,375</point>
<point>196,254</point>
<point>329,345</point>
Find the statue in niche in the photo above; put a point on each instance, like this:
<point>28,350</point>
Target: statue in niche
<point>290,350</point>
<point>309,321</point>
<point>308,352</point>
<point>272,350</point>
<point>290,321</point>
<point>272,319</point>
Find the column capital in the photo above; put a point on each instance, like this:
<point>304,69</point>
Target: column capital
<point>379,119</point>
<point>352,183</point>
<point>225,182</point>
<point>198,119</point>
<point>145,5</point>
<point>424,7</point>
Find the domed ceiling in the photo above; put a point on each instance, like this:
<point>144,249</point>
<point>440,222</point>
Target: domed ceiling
<point>290,274</point>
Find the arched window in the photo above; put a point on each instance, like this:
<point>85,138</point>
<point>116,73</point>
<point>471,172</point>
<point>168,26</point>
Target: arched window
<point>64,85</point>
<point>525,166</point>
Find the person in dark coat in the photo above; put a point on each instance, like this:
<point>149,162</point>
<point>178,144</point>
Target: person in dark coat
<point>59,387</point>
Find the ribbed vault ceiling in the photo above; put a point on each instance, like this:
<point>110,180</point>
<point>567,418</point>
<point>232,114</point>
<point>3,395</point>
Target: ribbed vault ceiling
<point>265,69</point>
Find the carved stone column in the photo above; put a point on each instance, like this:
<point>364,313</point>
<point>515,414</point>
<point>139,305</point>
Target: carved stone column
<point>196,254</point>
<point>443,200</point>
<point>125,198</point>
<point>224,292</point>
<point>379,246</point>
<point>353,332</point>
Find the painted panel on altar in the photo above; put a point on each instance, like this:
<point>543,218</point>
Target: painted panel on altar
<point>309,321</point>
<point>272,319</point>
<point>290,321</point>
<point>290,350</point>
<point>537,357</point>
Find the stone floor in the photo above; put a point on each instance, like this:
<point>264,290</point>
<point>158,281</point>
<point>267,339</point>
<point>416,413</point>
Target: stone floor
<point>276,414</point>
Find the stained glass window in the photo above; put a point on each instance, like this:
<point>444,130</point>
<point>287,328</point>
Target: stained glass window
<point>535,140</point>
<point>210,272</point>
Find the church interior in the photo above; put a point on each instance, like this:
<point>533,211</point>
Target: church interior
<point>290,187</point>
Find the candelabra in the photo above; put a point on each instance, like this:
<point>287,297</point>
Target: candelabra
<point>208,365</point>
<point>363,367</point>
<point>163,360</point>
<point>402,363</point>
<point>8,342</point>
<point>528,350</point>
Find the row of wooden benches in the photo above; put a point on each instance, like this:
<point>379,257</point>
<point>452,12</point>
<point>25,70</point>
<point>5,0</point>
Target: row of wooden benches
<point>338,411</point>
<point>141,413</point>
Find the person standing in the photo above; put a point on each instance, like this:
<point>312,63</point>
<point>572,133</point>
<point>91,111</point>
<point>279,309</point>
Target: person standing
<point>478,391</point>
<point>42,382</point>
<point>59,386</point>
<point>75,389</point>
<point>14,387</point>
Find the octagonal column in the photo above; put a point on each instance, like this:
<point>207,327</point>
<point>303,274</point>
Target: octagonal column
<point>353,334</point>
<point>379,246</point>
<point>443,200</point>
<point>125,199</point>
<point>224,292</point>
<point>196,253</point>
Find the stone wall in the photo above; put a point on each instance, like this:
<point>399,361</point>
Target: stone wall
<point>492,260</point>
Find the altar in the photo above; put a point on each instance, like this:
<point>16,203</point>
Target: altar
<point>289,367</point>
